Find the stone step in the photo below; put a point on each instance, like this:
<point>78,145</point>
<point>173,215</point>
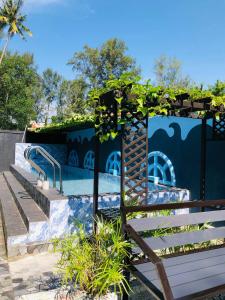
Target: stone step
<point>29,210</point>
<point>2,240</point>
<point>13,223</point>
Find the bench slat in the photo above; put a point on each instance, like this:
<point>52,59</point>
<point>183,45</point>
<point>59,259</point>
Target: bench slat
<point>194,275</point>
<point>185,238</point>
<point>152,223</point>
<point>183,267</point>
<point>184,259</point>
<point>197,285</point>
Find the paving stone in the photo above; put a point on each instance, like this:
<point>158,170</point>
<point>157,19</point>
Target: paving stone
<point>23,250</point>
<point>20,287</point>
<point>3,273</point>
<point>17,280</point>
<point>30,249</point>
<point>5,281</point>
<point>8,296</point>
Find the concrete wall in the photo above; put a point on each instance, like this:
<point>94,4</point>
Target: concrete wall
<point>8,139</point>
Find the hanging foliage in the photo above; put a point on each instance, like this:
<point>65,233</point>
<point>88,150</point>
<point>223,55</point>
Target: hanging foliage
<point>133,95</point>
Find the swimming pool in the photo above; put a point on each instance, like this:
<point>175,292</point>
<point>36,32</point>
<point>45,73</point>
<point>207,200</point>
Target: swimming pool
<point>78,181</point>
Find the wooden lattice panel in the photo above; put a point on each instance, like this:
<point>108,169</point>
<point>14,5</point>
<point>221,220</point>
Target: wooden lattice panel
<point>135,157</point>
<point>219,128</point>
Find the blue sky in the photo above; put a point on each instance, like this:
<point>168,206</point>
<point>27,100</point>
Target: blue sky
<point>191,30</point>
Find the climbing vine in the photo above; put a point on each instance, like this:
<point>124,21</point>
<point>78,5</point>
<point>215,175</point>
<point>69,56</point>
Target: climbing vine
<point>132,94</point>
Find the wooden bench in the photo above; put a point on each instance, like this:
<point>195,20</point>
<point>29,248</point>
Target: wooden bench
<point>184,275</point>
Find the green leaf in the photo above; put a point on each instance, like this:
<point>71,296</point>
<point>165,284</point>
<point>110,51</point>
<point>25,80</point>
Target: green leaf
<point>119,100</point>
<point>114,135</point>
<point>122,122</point>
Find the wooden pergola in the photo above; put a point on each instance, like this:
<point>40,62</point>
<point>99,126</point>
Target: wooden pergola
<point>134,173</point>
<point>134,141</point>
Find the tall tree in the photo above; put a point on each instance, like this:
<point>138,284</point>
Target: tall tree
<point>71,98</point>
<point>218,89</point>
<point>96,65</point>
<point>12,19</point>
<point>62,102</point>
<point>51,82</point>
<point>18,81</point>
<point>76,97</point>
<point>168,71</point>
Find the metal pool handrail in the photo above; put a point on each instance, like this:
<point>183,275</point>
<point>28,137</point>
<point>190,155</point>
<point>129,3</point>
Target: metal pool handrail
<point>50,157</point>
<point>34,165</point>
<point>52,161</point>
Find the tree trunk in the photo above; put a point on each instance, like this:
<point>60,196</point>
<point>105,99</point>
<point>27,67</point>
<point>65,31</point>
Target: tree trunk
<point>5,48</point>
<point>47,114</point>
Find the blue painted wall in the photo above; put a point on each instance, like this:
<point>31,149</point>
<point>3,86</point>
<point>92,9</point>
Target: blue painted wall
<point>179,139</point>
<point>83,141</point>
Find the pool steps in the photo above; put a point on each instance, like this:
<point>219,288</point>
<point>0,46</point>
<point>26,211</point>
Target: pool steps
<point>29,210</point>
<point>44,212</point>
<point>13,223</point>
<point>25,224</point>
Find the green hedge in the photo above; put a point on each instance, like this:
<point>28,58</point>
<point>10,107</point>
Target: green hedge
<point>77,122</point>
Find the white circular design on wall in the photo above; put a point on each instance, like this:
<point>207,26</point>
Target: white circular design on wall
<point>160,168</point>
<point>113,164</point>
<point>89,160</point>
<point>73,159</point>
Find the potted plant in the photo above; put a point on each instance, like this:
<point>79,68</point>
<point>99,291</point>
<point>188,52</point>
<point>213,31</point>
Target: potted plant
<point>94,264</point>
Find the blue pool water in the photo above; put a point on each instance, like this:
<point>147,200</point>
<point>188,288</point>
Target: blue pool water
<point>77,181</point>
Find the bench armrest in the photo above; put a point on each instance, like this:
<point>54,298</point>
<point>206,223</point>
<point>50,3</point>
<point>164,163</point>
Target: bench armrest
<point>142,244</point>
<point>154,259</point>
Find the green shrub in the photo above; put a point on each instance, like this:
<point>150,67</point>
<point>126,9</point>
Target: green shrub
<point>94,263</point>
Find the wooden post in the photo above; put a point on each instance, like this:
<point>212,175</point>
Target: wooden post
<point>122,178</point>
<point>146,159</point>
<point>96,181</point>
<point>203,160</point>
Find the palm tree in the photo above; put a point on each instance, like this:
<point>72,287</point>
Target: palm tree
<point>11,18</point>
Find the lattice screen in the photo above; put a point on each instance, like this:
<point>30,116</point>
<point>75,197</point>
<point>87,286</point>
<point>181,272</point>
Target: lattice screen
<point>219,128</point>
<point>135,157</point>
